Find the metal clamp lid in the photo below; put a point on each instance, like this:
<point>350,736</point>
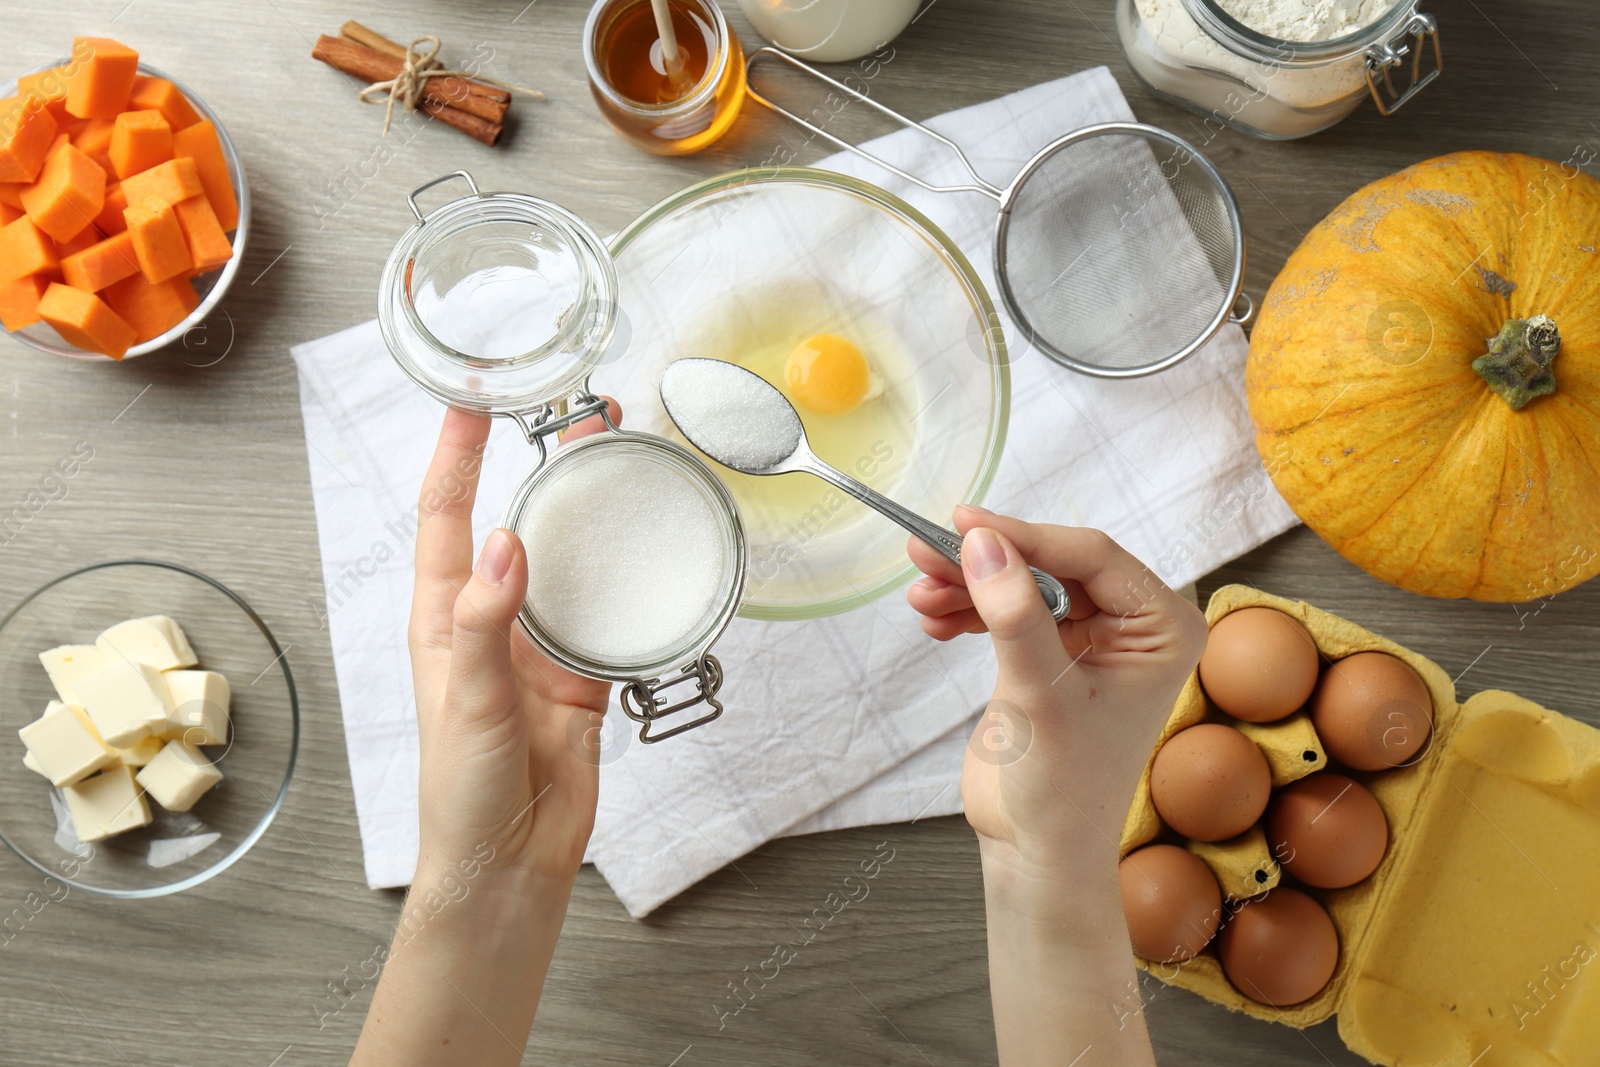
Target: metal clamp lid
<point>1382,60</point>
<point>643,702</point>
<point>553,418</point>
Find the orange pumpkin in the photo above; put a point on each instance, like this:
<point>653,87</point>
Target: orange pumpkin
<point>1424,379</point>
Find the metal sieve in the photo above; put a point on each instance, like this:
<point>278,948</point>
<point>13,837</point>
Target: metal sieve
<point>1118,248</point>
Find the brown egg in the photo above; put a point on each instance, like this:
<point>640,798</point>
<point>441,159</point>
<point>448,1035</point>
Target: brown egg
<point>1171,900</point>
<point>1327,830</point>
<point>1259,664</point>
<point>1372,711</point>
<point>1279,949</point>
<point>1210,782</point>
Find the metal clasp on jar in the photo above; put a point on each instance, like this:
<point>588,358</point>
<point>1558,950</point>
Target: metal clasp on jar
<point>1382,60</point>
<point>553,418</point>
<point>644,703</point>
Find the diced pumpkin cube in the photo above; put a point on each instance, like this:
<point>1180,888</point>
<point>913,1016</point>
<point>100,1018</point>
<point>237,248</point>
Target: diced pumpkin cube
<point>201,144</point>
<point>19,301</point>
<point>11,194</point>
<point>158,241</point>
<point>68,194</point>
<point>9,214</point>
<point>27,129</point>
<point>85,321</point>
<point>49,86</point>
<point>151,310</point>
<point>161,95</point>
<point>99,86</point>
<point>93,137</point>
<point>101,264</point>
<point>110,220</point>
<point>209,247</point>
<point>139,140</point>
<point>87,237</point>
<point>25,250</point>
<point>166,183</point>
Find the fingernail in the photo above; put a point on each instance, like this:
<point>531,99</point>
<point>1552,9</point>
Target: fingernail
<point>980,510</point>
<point>496,558</point>
<point>983,553</point>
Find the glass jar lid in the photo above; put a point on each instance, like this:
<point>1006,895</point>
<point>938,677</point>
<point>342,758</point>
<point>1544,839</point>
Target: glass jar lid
<point>498,302</point>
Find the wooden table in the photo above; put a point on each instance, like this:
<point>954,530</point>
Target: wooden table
<point>206,464</point>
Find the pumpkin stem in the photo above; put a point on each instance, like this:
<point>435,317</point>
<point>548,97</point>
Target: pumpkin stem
<point>1517,365</point>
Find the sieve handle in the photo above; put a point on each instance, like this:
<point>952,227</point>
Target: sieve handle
<point>978,186</point>
<point>1244,309</point>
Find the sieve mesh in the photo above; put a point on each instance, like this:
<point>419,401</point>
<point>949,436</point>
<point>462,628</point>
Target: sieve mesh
<point>1120,253</point>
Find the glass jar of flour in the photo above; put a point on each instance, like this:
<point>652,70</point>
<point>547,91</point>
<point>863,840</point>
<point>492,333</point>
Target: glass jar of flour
<point>505,304</point>
<point>1279,68</point>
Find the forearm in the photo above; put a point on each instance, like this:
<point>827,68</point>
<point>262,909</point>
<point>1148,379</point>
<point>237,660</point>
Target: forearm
<point>463,977</point>
<point>1061,969</point>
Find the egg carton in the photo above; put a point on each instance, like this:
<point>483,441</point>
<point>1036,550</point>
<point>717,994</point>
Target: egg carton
<point>1477,939</point>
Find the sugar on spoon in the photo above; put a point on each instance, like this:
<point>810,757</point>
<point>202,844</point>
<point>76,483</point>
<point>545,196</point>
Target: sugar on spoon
<point>738,419</point>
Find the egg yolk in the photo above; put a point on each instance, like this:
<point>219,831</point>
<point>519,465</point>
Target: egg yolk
<point>827,374</point>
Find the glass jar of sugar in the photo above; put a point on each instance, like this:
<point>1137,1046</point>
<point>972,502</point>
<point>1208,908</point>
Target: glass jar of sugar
<point>1279,68</point>
<point>505,304</point>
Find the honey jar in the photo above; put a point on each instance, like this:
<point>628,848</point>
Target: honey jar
<point>670,109</point>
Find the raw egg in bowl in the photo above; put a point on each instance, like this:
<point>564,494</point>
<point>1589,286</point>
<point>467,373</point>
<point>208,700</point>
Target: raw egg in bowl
<point>872,323</point>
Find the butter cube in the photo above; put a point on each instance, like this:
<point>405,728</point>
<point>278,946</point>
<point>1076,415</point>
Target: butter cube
<point>64,747</point>
<point>154,639</point>
<point>68,664</point>
<point>140,753</point>
<point>199,707</point>
<point>32,764</point>
<point>106,804</point>
<point>178,776</point>
<point>126,701</point>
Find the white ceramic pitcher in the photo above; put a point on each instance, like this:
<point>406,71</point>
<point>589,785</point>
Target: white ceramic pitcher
<point>830,31</point>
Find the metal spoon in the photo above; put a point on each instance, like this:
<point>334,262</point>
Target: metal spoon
<point>703,396</point>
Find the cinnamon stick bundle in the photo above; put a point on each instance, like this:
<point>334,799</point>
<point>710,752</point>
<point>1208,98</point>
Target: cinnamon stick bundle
<point>368,65</point>
<point>354,31</point>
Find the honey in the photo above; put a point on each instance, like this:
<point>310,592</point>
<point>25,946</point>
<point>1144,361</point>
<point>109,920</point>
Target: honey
<point>665,111</point>
<point>632,60</point>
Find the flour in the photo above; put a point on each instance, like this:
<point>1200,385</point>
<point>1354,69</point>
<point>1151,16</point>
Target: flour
<point>1179,58</point>
<point>1306,20</point>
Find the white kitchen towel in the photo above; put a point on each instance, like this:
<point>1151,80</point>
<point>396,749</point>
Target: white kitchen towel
<point>844,721</point>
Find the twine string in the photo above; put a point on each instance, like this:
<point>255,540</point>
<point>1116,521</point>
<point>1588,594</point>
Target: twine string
<point>406,87</point>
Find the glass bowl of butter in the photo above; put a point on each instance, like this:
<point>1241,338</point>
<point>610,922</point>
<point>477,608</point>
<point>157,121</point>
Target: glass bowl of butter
<point>150,727</point>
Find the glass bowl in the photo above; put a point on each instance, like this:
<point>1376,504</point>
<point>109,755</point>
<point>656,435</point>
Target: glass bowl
<point>211,286</point>
<point>257,763</point>
<point>744,266</point>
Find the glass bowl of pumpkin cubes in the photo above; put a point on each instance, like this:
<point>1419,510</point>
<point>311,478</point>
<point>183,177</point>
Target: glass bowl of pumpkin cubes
<point>152,725</point>
<point>123,206</point>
